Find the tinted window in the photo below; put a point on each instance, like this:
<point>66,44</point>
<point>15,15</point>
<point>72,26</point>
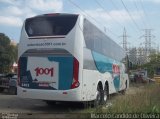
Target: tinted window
<point>50,25</point>
<point>97,41</point>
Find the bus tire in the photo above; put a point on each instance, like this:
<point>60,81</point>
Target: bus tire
<point>88,104</point>
<point>1,89</point>
<point>99,97</point>
<point>105,94</point>
<point>50,103</point>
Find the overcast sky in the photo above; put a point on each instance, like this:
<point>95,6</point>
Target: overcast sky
<point>111,16</point>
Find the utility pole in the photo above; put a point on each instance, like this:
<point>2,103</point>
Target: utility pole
<point>125,43</point>
<point>157,49</point>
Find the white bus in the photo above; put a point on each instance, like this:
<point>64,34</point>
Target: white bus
<point>64,57</point>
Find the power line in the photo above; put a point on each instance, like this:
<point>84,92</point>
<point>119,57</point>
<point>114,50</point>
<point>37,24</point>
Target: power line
<point>85,13</point>
<point>141,3</point>
<point>135,3</point>
<point>114,4</point>
<point>108,13</point>
<point>130,14</point>
<point>118,9</point>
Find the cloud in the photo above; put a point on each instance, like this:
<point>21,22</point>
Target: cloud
<point>11,10</point>
<point>45,5</point>
<point>27,12</point>
<point>123,16</point>
<point>143,1</point>
<point>112,16</point>
<point>11,21</point>
<point>41,5</point>
<point>14,16</point>
<point>12,2</point>
<point>154,1</point>
<point>15,11</point>
<point>7,1</point>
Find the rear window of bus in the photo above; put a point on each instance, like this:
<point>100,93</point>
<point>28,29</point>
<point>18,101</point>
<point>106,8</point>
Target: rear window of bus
<point>50,25</point>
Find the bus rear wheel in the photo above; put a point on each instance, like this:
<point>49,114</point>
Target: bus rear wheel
<point>50,103</point>
<point>99,97</point>
<point>105,94</point>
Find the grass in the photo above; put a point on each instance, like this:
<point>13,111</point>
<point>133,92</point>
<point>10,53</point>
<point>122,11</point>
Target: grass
<point>142,99</point>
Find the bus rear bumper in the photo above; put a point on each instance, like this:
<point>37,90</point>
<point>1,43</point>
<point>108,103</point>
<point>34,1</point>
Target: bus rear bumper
<point>55,95</point>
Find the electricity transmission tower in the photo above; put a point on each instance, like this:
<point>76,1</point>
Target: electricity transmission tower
<point>125,43</point>
<point>148,42</point>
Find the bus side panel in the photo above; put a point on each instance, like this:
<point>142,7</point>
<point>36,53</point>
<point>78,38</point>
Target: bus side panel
<point>102,54</point>
<point>91,77</point>
<point>90,82</point>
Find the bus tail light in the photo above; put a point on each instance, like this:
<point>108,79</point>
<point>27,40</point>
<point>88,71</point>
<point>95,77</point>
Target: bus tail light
<point>75,82</point>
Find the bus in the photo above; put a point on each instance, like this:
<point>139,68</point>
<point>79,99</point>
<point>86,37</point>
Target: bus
<point>65,57</point>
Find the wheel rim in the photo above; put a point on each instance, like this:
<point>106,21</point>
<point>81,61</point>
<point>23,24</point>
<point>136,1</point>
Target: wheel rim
<point>105,95</point>
<point>98,97</point>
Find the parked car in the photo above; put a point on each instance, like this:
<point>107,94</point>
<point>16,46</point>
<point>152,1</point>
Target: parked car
<point>9,82</point>
<point>132,76</point>
<point>13,84</point>
<point>3,82</point>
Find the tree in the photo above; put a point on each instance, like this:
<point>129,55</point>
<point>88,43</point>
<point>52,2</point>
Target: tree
<point>8,53</point>
<point>153,64</point>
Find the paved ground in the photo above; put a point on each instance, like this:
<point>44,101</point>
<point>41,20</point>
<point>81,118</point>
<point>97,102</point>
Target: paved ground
<point>11,104</point>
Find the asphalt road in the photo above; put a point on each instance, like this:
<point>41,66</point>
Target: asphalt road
<point>12,103</point>
<point>31,109</point>
<point>28,108</point>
